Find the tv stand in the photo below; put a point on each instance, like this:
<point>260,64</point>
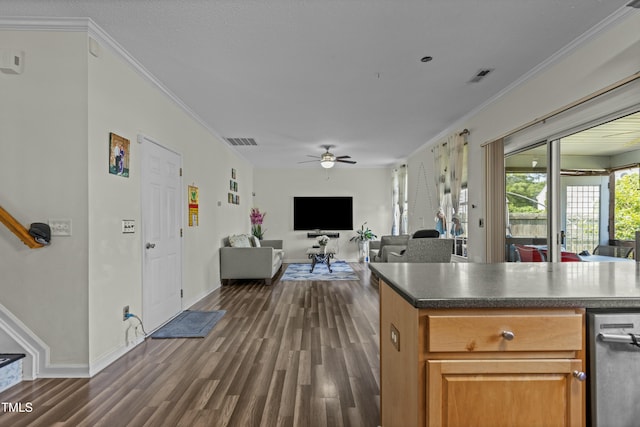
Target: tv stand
<point>329,234</point>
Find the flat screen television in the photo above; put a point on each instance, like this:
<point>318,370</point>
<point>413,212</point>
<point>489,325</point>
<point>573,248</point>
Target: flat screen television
<point>323,213</point>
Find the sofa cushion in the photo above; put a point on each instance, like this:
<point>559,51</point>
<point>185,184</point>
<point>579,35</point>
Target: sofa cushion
<point>239,241</point>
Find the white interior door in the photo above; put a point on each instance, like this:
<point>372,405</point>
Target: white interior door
<point>161,223</point>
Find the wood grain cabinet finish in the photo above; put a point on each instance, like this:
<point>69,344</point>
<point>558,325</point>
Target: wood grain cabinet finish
<point>480,367</point>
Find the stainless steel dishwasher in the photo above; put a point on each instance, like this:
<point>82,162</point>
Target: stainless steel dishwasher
<point>614,368</point>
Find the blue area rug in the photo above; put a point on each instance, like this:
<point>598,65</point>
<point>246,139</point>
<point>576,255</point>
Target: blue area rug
<point>190,324</point>
<point>341,271</point>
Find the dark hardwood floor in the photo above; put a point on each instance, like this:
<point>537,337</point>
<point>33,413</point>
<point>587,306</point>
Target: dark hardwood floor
<point>290,354</point>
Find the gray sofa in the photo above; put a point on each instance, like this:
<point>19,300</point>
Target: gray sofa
<point>250,262</point>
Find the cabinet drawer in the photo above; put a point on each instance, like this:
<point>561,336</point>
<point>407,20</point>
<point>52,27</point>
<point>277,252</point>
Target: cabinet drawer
<point>530,332</point>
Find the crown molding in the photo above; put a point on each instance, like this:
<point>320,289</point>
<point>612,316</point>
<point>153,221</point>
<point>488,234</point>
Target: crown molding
<point>591,34</point>
<point>94,31</point>
<point>609,22</point>
<point>41,23</point>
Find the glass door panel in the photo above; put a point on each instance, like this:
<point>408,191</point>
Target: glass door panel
<point>526,193</point>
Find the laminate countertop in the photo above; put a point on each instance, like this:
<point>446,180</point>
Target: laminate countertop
<point>514,285</point>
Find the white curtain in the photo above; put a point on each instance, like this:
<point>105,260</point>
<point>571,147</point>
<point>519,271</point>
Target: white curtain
<point>403,199</point>
<point>399,201</point>
<point>395,208</point>
<point>440,165</point>
<point>455,148</point>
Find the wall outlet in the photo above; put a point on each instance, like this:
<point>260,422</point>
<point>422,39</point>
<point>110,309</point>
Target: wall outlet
<point>60,227</point>
<point>395,337</point>
<point>125,312</point>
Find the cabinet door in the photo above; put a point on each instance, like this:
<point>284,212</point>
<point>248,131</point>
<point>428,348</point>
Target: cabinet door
<point>504,393</point>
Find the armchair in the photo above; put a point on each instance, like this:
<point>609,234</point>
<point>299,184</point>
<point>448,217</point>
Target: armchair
<point>380,252</point>
<point>260,261</point>
<point>424,250</point>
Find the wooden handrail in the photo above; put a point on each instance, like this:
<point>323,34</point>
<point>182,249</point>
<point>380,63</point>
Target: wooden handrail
<point>18,229</point>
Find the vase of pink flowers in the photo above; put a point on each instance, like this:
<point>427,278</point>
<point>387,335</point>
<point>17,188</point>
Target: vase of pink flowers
<point>257,218</point>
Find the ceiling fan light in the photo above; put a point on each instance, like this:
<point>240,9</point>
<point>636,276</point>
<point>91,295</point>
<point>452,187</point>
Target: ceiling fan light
<point>327,164</point>
<point>327,160</point>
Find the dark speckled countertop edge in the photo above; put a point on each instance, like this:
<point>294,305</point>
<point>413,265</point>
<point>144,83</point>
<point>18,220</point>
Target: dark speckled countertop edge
<point>595,302</point>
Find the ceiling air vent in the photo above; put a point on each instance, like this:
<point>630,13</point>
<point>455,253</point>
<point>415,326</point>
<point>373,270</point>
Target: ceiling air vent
<point>480,75</point>
<point>240,142</point>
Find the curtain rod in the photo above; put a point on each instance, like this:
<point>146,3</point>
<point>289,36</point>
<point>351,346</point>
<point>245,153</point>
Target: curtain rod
<point>463,133</point>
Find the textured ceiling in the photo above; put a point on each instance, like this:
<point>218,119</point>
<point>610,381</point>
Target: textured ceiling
<point>295,75</point>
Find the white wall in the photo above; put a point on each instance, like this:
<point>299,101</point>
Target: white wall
<point>276,188</point>
<point>55,120</point>
<point>423,197</point>
<point>43,134</point>
<point>603,60</point>
<point>121,101</point>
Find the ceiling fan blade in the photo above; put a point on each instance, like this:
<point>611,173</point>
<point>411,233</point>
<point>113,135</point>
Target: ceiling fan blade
<point>346,161</point>
<point>343,157</point>
<point>310,161</point>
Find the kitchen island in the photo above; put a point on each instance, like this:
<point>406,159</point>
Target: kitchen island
<point>491,344</point>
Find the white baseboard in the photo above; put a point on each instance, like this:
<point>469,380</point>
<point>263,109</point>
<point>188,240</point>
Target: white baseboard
<point>112,356</point>
<point>186,304</point>
<point>64,371</point>
<point>36,351</point>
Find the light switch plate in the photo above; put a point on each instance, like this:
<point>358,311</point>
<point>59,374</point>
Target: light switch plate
<point>60,227</point>
<point>128,226</point>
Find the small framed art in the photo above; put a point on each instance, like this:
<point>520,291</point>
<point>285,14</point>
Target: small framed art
<point>118,155</point>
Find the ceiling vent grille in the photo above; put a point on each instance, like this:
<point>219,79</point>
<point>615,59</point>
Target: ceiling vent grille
<point>480,75</point>
<point>241,142</point>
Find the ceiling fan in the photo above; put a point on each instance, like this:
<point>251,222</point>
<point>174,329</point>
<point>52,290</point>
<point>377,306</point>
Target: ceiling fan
<point>327,160</point>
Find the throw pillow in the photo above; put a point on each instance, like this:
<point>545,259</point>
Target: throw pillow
<point>255,241</point>
<point>239,241</point>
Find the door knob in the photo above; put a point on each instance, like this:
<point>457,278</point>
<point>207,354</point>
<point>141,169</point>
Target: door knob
<point>151,245</point>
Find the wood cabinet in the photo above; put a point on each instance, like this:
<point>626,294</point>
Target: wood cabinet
<point>480,367</point>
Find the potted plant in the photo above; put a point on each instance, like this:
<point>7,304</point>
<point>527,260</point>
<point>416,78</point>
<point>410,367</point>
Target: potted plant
<point>362,237</point>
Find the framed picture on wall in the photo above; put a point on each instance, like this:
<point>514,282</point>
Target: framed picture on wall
<point>118,155</point>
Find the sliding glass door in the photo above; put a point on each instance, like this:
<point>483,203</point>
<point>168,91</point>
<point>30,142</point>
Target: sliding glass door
<point>569,194</point>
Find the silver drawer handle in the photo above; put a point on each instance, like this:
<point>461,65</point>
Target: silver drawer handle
<point>579,375</point>
<point>508,335</point>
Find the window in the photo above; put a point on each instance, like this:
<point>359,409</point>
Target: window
<point>582,217</point>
